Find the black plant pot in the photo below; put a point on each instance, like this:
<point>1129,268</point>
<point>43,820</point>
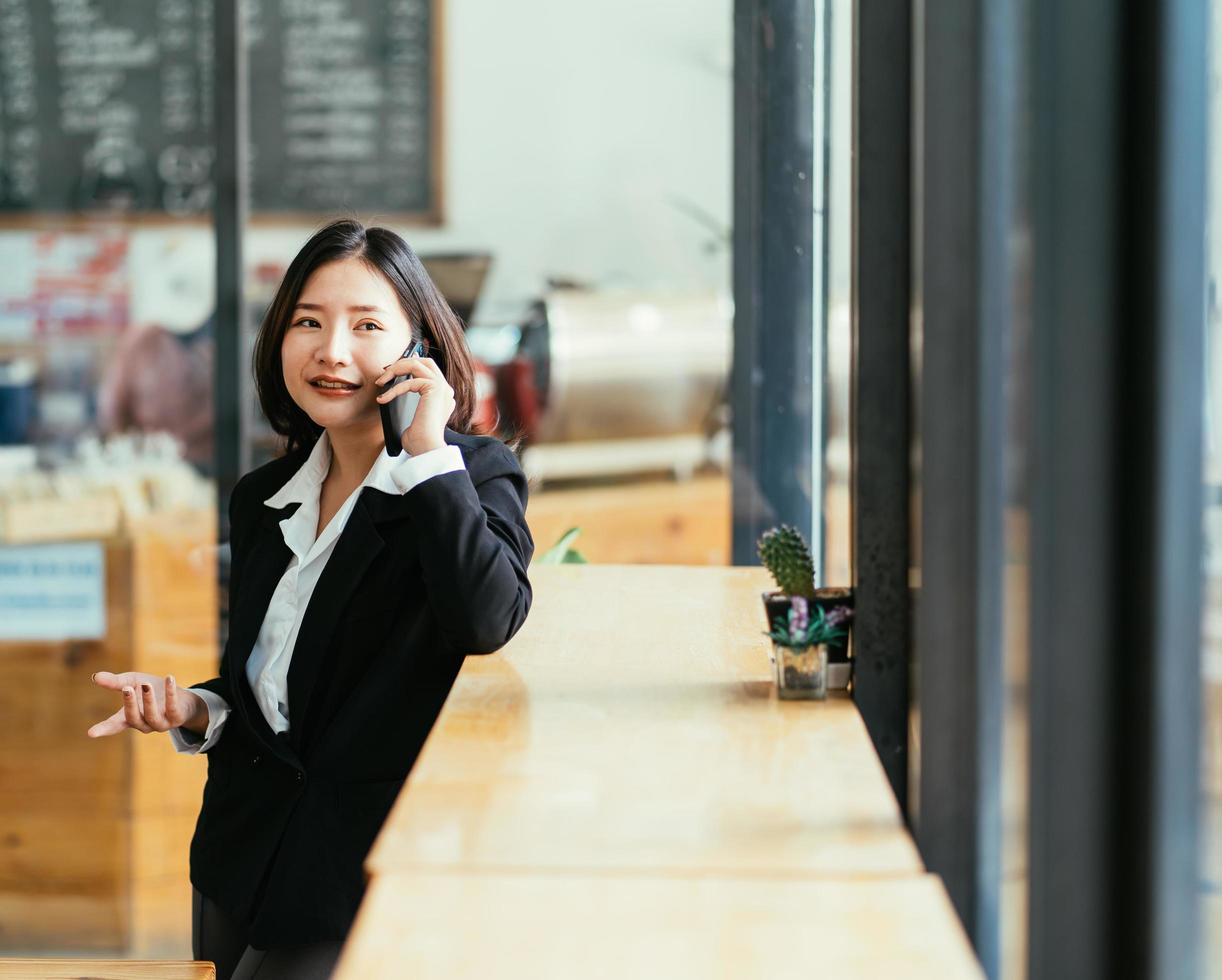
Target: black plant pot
<point>776,604</point>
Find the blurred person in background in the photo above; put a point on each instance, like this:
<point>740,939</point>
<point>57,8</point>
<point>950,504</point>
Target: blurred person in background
<point>360,581</point>
<point>160,377</point>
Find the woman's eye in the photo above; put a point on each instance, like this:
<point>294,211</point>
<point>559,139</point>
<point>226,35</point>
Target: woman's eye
<point>305,321</point>
<point>369,325</point>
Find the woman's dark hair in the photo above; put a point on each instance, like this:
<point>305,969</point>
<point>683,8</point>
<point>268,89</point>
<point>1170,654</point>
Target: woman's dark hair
<point>428,314</point>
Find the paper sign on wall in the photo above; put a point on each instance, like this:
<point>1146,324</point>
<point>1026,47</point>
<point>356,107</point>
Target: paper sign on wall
<point>53,592</point>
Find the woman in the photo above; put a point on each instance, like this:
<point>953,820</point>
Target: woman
<point>359,581</point>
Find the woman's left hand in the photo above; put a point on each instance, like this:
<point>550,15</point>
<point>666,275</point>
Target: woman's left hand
<point>427,431</point>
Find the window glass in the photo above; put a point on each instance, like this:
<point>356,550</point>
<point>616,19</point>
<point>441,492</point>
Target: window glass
<point>1211,625</point>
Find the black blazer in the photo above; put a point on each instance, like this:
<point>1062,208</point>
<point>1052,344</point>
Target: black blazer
<point>416,582</point>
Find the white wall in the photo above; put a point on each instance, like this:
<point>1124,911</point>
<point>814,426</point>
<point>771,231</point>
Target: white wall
<point>570,127</point>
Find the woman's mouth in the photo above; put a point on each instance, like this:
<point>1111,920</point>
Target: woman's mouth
<point>326,386</point>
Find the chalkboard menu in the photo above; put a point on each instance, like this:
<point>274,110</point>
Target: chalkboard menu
<point>106,105</point>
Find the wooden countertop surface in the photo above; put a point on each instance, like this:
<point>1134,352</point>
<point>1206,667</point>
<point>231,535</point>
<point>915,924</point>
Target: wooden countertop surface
<point>618,792</point>
<point>633,725</point>
<point>457,927</point>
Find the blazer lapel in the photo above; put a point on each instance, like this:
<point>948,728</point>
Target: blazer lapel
<point>265,565</point>
<point>356,549</point>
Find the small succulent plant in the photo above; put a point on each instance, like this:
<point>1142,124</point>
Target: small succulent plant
<point>801,627</point>
<point>786,555</point>
<point>563,552</point>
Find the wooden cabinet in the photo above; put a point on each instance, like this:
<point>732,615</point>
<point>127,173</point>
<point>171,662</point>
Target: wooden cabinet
<point>94,833</point>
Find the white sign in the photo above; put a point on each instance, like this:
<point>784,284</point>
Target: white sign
<point>53,592</point>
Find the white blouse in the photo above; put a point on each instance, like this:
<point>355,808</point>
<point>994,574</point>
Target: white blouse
<point>267,669</point>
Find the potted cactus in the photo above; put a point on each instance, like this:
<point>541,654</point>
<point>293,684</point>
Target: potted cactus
<point>785,553</point>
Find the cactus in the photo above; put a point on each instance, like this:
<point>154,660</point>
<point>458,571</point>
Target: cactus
<point>785,553</point>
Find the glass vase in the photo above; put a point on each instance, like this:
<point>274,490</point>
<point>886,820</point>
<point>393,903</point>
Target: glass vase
<point>801,672</point>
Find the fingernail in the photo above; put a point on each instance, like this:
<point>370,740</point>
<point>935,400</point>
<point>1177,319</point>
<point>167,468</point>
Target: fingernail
<point>128,692</point>
<point>93,676</point>
<point>146,689</point>
<point>173,683</point>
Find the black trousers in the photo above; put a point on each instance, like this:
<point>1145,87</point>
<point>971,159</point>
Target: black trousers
<point>215,937</point>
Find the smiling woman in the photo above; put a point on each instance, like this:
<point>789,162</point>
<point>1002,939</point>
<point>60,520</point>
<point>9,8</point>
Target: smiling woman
<point>369,285</point>
<point>354,341</point>
<point>360,579</point>
<point>335,353</point>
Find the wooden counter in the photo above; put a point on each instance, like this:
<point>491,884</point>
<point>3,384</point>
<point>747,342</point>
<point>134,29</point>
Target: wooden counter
<point>633,725</point>
<point>475,927</point>
<point>623,771</point>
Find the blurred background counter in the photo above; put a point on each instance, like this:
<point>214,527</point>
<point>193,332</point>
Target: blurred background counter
<point>93,854</point>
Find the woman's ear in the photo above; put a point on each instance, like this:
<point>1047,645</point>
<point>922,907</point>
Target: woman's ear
<point>435,351</point>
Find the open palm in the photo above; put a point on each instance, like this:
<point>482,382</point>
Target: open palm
<point>150,704</point>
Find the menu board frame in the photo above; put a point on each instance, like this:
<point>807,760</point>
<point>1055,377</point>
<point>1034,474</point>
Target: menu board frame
<point>432,215</point>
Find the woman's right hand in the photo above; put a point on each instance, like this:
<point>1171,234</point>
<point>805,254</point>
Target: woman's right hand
<point>150,704</point>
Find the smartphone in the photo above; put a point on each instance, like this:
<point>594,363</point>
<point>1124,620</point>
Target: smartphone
<point>397,414</point>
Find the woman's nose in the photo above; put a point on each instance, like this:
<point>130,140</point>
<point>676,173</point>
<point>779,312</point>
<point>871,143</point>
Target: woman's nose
<point>333,347</point>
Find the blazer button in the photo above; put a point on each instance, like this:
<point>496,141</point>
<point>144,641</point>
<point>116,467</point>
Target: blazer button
<point>300,776</point>
<point>256,760</point>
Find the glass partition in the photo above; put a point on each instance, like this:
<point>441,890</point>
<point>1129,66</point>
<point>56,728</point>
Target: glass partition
<point>836,320</point>
<point>108,538</point>
<point>564,171</point>
<point>1211,625</point>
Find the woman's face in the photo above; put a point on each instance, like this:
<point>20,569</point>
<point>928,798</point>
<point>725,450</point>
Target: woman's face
<point>346,328</point>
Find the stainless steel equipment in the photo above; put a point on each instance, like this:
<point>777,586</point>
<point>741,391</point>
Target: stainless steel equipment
<point>632,365</point>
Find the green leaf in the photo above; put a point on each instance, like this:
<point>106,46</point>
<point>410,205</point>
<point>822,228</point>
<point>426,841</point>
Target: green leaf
<point>558,554</point>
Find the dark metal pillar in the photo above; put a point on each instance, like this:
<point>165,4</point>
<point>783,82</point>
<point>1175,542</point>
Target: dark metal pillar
<point>231,176</point>
<point>965,118</point>
<point>774,321</point>
<point>1119,117</point>
<point>882,95</point>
